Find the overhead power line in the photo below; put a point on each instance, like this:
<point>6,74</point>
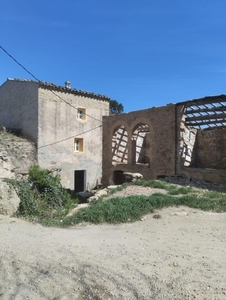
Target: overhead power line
<point>19,63</point>
<point>41,82</point>
<point>69,137</point>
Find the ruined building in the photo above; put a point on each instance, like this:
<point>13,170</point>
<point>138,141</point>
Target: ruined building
<point>75,135</point>
<point>185,139</point>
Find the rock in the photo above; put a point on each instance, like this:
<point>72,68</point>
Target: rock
<point>132,176</point>
<point>101,193</point>
<point>92,199</point>
<point>98,194</point>
<point>9,200</point>
<point>17,155</point>
<point>179,213</point>
<point>111,187</point>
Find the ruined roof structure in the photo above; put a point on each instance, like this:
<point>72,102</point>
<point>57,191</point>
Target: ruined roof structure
<point>185,139</point>
<point>205,113</point>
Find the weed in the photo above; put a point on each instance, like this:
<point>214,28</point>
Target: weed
<point>174,190</point>
<point>152,183</point>
<point>44,200</point>
<point>157,216</point>
<point>48,203</point>
<point>129,209</point>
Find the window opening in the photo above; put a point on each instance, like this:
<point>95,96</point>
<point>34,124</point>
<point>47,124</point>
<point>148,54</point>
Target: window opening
<point>120,146</point>
<point>78,145</point>
<point>141,144</point>
<point>81,114</point>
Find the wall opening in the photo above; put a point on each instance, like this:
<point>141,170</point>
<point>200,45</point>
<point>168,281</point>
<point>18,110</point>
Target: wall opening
<point>79,181</point>
<point>140,144</point>
<point>81,114</point>
<point>118,177</point>
<point>120,146</point>
<point>78,144</point>
<point>203,134</point>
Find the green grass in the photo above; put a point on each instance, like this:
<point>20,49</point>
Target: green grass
<point>46,202</point>
<point>172,189</point>
<point>157,184</point>
<point>132,208</point>
<point>118,188</point>
<point>51,204</point>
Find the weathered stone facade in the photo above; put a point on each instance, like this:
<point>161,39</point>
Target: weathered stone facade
<point>167,141</point>
<point>65,124</point>
<point>139,142</point>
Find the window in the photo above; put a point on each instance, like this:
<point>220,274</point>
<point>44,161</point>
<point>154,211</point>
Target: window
<point>81,114</point>
<point>78,145</point>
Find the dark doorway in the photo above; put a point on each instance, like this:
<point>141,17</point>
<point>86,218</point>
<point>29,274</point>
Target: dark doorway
<point>80,181</point>
<point>118,177</point>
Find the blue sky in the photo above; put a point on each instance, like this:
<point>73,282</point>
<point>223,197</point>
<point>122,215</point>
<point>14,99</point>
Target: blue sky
<point>141,53</point>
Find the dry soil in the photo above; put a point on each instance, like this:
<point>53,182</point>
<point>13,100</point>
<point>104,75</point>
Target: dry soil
<point>181,255</point>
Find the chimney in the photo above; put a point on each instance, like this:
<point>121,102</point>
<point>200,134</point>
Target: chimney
<point>67,84</point>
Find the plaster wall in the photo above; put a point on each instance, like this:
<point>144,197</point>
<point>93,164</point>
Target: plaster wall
<point>58,126</point>
<point>19,107</point>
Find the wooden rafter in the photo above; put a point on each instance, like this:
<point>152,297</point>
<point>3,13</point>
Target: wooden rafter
<point>206,113</point>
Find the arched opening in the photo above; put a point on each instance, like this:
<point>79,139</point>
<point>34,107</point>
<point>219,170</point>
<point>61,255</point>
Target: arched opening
<point>141,144</point>
<point>120,146</point>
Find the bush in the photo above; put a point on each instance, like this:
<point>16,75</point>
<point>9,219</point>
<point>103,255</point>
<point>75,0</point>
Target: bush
<point>49,186</point>
<point>42,197</point>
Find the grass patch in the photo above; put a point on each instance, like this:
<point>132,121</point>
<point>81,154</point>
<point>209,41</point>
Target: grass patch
<point>118,188</point>
<point>157,184</point>
<point>115,210</point>
<point>175,190</point>
<point>48,203</point>
<point>132,208</point>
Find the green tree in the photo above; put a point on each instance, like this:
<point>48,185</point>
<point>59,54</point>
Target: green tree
<point>115,107</point>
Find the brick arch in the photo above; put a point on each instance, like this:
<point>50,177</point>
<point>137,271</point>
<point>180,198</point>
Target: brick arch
<point>139,121</point>
<point>118,124</point>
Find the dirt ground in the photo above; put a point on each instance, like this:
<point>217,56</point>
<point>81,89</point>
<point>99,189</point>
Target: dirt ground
<point>181,255</point>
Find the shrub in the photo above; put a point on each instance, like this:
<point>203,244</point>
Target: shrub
<point>49,186</point>
<point>42,197</point>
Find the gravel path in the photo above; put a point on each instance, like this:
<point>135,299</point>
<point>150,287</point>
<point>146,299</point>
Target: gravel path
<point>179,256</point>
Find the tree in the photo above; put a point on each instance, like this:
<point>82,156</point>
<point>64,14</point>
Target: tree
<point>115,107</point>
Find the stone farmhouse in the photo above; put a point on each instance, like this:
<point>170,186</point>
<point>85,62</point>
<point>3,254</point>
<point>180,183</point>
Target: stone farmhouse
<point>65,125</point>
<point>75,135</point>
<point>186,139</point>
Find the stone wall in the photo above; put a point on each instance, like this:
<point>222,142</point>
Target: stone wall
<point>211,149</point>
<point>150,143</point>
<point>201,153</point>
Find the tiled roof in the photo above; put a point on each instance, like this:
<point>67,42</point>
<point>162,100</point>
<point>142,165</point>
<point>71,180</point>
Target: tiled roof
<point>52,86</point>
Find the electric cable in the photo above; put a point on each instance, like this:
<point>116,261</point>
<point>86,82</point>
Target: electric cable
<point>39,81</point>
<point>57,142</point>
